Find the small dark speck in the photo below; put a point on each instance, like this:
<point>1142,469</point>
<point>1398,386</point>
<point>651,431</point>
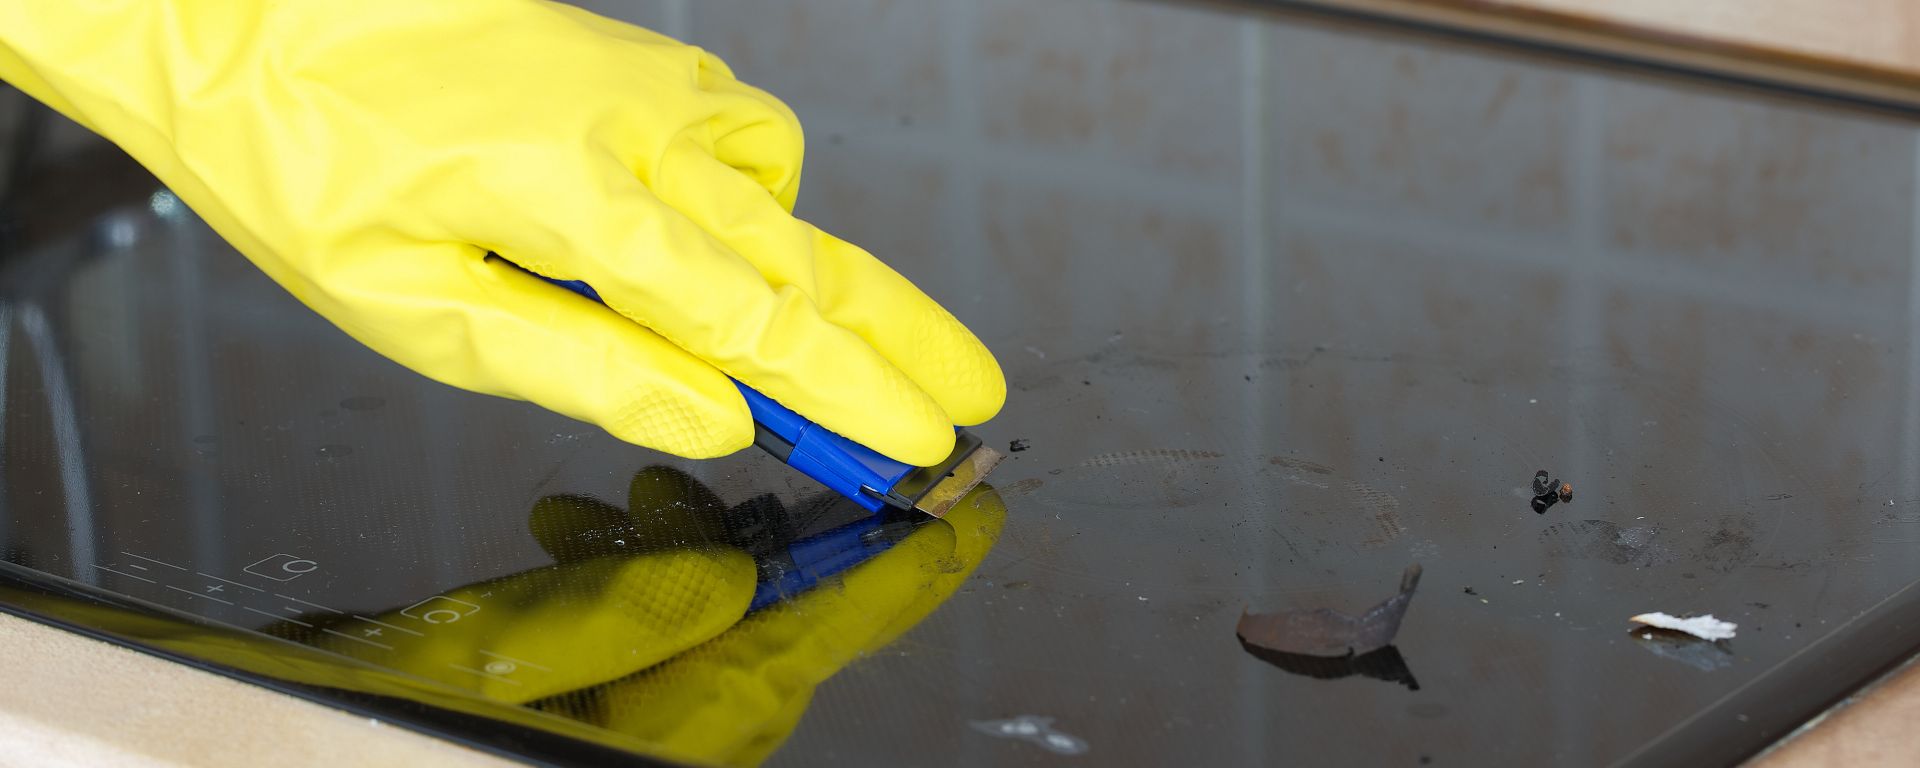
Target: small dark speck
<point>1085,383</point>
<point>1469,590</point>
<point>1425,760</point>
<point>1382,458</point>
<point>1686,575</point>
<point>1018,445</point>
<point>1760,605</point>
<point>835,139</point>
<point>1248,378</point>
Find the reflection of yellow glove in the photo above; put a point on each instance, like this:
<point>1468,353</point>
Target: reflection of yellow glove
<point>368,154</point>
<point>735,699</point>
<point>654,644</point>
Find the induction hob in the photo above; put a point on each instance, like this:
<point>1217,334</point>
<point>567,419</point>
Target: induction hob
<point>1286,306</point>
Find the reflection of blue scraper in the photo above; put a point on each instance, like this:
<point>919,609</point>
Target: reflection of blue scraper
<point>801,565</point>
<point>855,471</point>
<point>796,548</point>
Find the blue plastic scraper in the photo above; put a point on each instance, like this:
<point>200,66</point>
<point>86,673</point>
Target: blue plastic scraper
<point>853,470</point>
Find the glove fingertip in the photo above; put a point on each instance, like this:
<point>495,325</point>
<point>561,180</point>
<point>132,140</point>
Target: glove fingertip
<point>920,442</point>
<point>984,392</point>
<point>695,427</point>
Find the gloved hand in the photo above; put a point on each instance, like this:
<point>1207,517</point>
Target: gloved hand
<point>368,155</point>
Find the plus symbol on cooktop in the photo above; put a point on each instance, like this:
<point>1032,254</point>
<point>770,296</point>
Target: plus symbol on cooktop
<point>216,588</point>
<point>371,631</point>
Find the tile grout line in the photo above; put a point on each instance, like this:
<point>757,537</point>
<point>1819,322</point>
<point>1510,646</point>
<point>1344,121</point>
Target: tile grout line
<point>962,155</point>
<point>1585,318</point>
<point>965,150</point>
<point>1254,290</point>
<point>676,17</point>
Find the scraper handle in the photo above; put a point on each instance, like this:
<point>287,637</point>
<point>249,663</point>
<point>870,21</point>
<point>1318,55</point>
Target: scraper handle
<point>848,468</point>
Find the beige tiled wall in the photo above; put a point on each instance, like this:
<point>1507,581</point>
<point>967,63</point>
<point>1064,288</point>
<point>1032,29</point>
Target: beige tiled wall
<point>869,62</point>
<point>1128,84</point>
<point>1798,199</point>
<point>1408,129</point>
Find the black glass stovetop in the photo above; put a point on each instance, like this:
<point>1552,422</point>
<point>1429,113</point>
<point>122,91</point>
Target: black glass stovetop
<point>1286,306</point>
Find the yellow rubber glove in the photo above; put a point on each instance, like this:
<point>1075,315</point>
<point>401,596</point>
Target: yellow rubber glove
<point>368,154</point>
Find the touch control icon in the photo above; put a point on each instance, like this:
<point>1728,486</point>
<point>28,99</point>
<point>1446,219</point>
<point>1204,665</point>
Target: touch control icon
<point>440,609</point>
<point>282,567</point>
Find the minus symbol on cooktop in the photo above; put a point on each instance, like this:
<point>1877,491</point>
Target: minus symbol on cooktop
<point>389,626</point>
<point>225,581</point>
<point>303,602</point>
<point>279,618</point>
<point>356,639</point>
<point>128,575</point>
<point>196,594</point>
<point>151,560</point>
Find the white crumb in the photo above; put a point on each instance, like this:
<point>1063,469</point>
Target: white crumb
<point>1703,627</point>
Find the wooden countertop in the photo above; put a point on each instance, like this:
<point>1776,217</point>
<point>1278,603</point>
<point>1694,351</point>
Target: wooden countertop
<point>75,701</point>
<point>1880,37</point>
<point>1861,49</point>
